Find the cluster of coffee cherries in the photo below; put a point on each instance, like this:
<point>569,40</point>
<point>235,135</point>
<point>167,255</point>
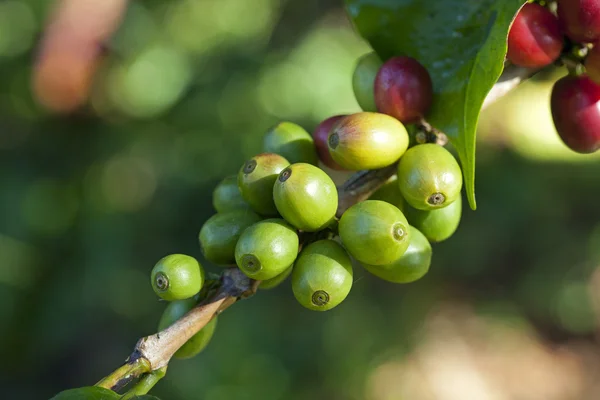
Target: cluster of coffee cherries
<point>543,32</point>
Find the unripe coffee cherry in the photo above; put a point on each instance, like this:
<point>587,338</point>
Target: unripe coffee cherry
<point>321,135</point>
<point>266,249</point>
<point>429,177</point>
<point>367,141</point>
<point>413,264</point>
<point>177,277</point>
<point>535,38</point>
<point>580,19</point>
<point>306,197</point>
<point>363,80</point>
<point>292,142</point>
<point>403,89</point>
<point>278,280</point>
<point>592,64</point>
<point>220,234</point>
<point>575,104</point>
<point>256,179</point>
<point>374,232</point>
<point>390,193</point>
<point>437,225</point>
<point>227,196</point>
<point>196,343</point>
<point>322,276</point>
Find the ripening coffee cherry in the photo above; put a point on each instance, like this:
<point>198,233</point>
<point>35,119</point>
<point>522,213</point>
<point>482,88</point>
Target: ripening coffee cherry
<point>363,80</point>
<point>390,193</point>
<point>322,276</point>
<point>437,225</point>
<point>177,277</point>
<point>220,234</point>
<point>403,89</point>
<point>592,64</point>
<point>575,104</point>
<point>413,264</point>
<point>321,135</point>
<point>535,38</point>
<point>306,197</point>
<point>367,140</point>
<point>278,280</point>
<point>267,249</point>
<point>374,232</point>
<point>196,343</point>
<point>580,19</point>
<point>256,179</point>
<point>292,142</point>
<point>227,196</point>
<point>429,177</point>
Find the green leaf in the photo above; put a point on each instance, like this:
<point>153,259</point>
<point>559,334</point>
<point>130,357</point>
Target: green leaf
<point>87,393</point>
<point>461,42</point>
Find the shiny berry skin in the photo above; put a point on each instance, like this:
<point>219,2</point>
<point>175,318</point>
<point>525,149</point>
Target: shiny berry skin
<point>535,38</point>
<point>592,64</point>
<point>575,105</point>
<point>403,89</point>
<point>580,19</point>
<point>227,196</point>
<point>363,80</point>
<point>437,225</point>
<point>320,135</point>
<point>177,277</point>
<point>256,179</point>
<point>292,142</point>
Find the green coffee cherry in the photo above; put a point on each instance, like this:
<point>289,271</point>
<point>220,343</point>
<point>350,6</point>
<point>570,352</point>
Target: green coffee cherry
<point>274,282</point>
<point>292,142</point>
<point>266,249</point>
<point>390,193</point>
<point>227,196</point>
<point>363,80</point>
<point>306,197</point>
<point>322,276</point>
<point>429,177</point>
<point>220,234</point>
<point>367,140</point>
<point>256,179</point>
<point>437,225</point>
<point>374,232</point>
<point>177,277</point>
<point>413,264</point>
<point>196,343</point>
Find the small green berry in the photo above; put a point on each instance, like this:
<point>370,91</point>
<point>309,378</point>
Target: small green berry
<point>256,179</point>
<point>227,196</point>
<point>322,275</point>
<point>363,80</point>
<point>274,282</point>
<point>306,197</point>
<point>177,277</point>
<point>266,249</point>
<point>429,177</point>
<point>374,232</point>
<point>413,264</point>
<point>390,193</point>
<point>437,225</point>
<point>292,142</point>
<point>196,343</point>
<point>220,234</point>
<point>367,140</point>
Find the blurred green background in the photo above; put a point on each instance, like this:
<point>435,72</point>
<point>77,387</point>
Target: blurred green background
<point>90,201</point>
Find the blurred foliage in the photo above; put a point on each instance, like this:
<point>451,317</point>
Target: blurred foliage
<point>89,202</point>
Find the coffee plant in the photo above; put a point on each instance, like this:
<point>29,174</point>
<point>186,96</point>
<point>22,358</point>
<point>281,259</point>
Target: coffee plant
<point>434,66</point>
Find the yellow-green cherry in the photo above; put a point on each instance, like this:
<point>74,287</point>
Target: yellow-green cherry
<point>292,142</point>
<point>322,275</point>
<point>227,196</point>
<point>306,197</point>
<point>177,277</point>
<point>363,80</point>
<point>374,232</point>
<point>429,177</point>
<point>439,224</point>
<point>256,179</point>
<point>266,249</point>
<point>367,140</point>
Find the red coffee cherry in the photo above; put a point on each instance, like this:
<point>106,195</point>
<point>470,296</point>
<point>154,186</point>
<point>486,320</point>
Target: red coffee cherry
<point>580,19</point>
<point>535,38</point>
<point>320,136</point>
<point>403,89</point>
<point>575,106</point>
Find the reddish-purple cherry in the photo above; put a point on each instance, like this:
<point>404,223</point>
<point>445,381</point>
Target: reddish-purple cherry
<point>320,136</point>
<point>575,104</point>
<point>580,19</point>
